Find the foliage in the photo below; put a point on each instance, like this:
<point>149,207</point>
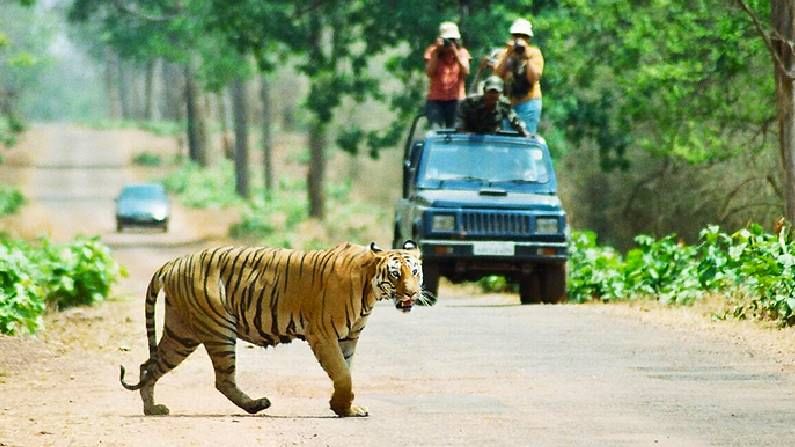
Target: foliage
<point>203,187</point>
<point>749,262</point>
<point>494,283</point>
<point>147,159</point>
<point>24,38</point>
<point>80,272</point>
<point>595,272</point>
<point>22,294</point>
<point>33,276</point>
<point>273,222</point>
<point>11,200</point>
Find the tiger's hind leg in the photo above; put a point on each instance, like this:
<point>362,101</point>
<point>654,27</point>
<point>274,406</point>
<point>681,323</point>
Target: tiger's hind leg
<point>174,346</point>
<point>222,354</point>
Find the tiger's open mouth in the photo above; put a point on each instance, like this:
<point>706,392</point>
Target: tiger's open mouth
<point>404,303</point>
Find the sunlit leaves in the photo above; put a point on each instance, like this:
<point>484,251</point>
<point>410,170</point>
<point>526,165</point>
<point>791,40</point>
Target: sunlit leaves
<point>749,262</point>
<point>34,275</point>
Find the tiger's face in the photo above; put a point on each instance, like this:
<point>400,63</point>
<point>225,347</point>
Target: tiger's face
<point>399,278</point>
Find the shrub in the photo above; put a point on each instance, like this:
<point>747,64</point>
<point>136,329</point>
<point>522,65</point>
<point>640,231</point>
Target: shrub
<point>32,276</point>
<point>147,159</point>
<point>11,200</point>
<point>750,263</point>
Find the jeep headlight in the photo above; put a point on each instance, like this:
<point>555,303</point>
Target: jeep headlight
<point>546,225</point>
<point>443,224</point>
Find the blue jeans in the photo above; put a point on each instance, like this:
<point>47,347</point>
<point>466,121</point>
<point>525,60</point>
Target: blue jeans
<point>441,114</point>
<point>530,113</point>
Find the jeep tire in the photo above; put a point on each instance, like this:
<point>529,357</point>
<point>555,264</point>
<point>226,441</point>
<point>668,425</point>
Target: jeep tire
<point>553,283</point>
<point>529,288</point>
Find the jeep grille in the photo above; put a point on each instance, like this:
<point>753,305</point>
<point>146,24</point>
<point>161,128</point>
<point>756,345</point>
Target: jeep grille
<point>496,223</point>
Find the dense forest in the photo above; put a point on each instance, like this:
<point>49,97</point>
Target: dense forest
<point>662,115</point>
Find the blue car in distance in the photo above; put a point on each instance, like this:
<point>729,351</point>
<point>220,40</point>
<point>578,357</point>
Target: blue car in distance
<point>142,204</point>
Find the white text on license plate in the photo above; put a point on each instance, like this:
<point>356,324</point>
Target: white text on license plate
<point>492,248</point>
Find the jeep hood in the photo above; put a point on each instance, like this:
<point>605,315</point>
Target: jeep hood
<point>474,199</point>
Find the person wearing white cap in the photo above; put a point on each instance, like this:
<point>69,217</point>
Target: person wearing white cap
<point>521,66</point>
<point>447,66</point>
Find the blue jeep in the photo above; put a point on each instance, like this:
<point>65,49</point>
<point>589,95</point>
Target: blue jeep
<point>484,204</point>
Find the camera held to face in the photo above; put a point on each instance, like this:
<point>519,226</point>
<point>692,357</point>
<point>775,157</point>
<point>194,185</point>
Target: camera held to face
<point>518,47</point>
<point>448,42</point>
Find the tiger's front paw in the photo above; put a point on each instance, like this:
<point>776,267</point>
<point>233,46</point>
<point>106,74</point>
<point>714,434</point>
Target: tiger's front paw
<point>352,411</point>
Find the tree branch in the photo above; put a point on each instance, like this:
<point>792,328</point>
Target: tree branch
<point>789,74</point>
<point>126,8</point>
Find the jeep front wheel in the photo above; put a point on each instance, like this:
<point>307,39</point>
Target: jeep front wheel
<point>553,283</point>
<point>529,290</point>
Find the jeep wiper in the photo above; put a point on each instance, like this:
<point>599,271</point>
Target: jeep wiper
<point>517,181</point>
<point>463,178</point>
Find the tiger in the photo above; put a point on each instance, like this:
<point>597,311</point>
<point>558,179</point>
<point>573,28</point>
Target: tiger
<point>267,296</point>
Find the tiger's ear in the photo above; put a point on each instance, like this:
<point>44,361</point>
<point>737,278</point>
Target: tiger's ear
<point>409,245</point>
<point>375,248</point>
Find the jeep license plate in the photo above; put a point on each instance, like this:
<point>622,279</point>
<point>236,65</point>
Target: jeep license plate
<point>492,248</point>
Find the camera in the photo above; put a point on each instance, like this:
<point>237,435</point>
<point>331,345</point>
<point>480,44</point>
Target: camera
<point>518,47</point>
<point>448,42</point>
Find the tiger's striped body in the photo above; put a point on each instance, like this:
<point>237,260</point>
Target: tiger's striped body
<point>268,296</point>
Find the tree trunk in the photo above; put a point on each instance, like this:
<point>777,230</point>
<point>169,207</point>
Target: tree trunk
<point>205,112</point>
<point>173,98</point>
<point>196,148</point>
<point>124,85</point>
<point>226,143</point>
<point>267,143</point>
<point>111,91</point>
<point>149,82</point>
<point>784,34</point>
<point>240,118</point>
<point>317,126</point>
<point>317,167</point>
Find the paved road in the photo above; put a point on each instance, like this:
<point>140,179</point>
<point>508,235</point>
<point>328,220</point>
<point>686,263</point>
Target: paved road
<point>474,370</point>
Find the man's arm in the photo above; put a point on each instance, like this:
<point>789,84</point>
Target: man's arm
<point>463,60</point>
<point>431,59</point>
<point>516,123</point>
<point>535,64</point>
<point>501,68</point>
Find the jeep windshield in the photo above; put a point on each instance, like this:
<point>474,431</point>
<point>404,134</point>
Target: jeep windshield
<point>463,165</point>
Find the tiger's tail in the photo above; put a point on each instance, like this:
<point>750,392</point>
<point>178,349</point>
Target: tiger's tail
<point>152,291</point>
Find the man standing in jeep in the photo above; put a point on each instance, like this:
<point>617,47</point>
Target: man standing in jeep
<point>521,65</point>
<point>447,66</point>
<point>488,112</point>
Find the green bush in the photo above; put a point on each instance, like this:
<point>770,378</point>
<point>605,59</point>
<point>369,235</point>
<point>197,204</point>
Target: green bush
<point>22,292</point>
<point>204,187</point>
<point>494,283</point>
<point>147,159</point>
<point>749,263</point>
<point>11,200</point>
<point>81,272</point>
<point>33,276</point>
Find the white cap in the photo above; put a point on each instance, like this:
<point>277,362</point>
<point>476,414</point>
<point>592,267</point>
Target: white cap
<point>522,26</point>
<point>449,30</point>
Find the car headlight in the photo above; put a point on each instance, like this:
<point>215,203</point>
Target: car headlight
<point>546,225</point>
<point>443,224</point>
<point>159,214</point>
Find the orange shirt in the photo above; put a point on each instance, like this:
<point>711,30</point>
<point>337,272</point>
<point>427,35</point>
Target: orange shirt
<point>447,83</point>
